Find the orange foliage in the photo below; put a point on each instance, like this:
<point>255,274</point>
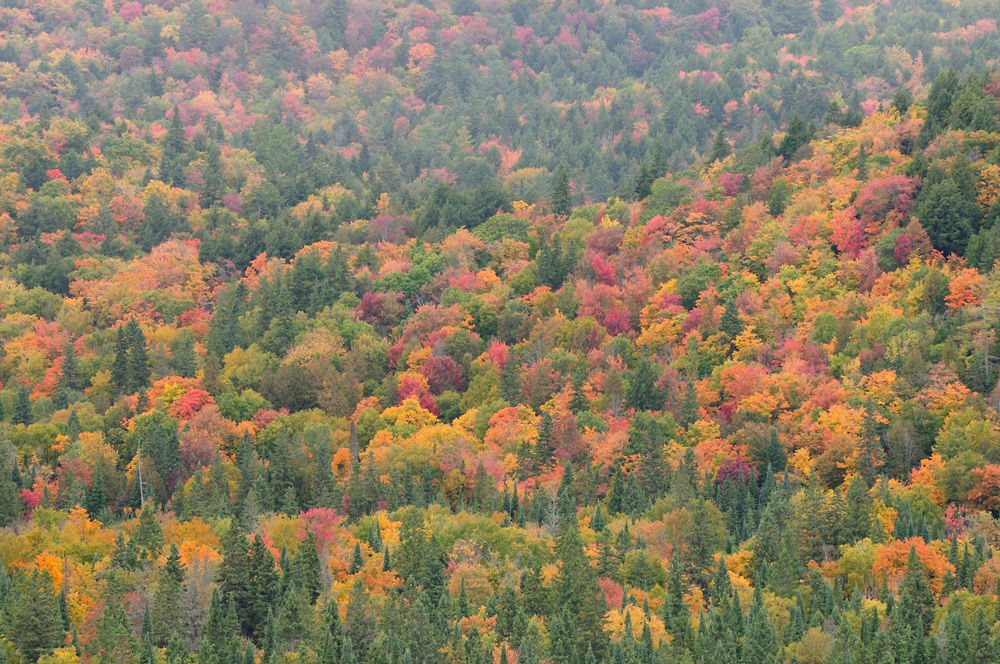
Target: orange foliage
<point>890,560</point>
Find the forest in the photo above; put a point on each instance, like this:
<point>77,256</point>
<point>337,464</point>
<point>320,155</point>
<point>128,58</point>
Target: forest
<point>499,332</point>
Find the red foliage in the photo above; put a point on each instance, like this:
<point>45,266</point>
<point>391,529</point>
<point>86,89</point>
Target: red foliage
<point>613,593</point>
<point>190,403</point>
<point>603,272</point>
<point>498,353</point>
<point>736,469</point>
<point>443,373</point>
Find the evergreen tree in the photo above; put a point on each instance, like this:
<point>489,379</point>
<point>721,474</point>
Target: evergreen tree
<point>550,261</point>
<point>69,372</point>
<point>916,599</point>
<point>643,392</point>
<point>562,203</point>
<point>307,568</point>
<point>120,365</point>
<point>167,616</point>
<point>114,642</point>
<point>183,358</point>
<point>33,616</point>
<point>857,518</point>
<point>720,147</point>
<point>797,134</point>
<point>22,407</point>
<point>774,452</point>
<point>575,588</point>
<point>760,644</point>
<point>138,358</point>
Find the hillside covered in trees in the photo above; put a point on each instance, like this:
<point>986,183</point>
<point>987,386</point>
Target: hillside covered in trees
<point>488,332</point>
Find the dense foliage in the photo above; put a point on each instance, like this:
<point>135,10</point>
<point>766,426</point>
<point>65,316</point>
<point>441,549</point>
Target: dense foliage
<point>485,333</point>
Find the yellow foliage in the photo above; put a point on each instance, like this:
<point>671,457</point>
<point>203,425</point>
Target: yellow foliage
<point>814,646</point>
<point>614,624</point>
<point>66,655</point>
<point>193,530</point>
<point>190,551</point>
<point>47,562</point>
<point>283,531</point>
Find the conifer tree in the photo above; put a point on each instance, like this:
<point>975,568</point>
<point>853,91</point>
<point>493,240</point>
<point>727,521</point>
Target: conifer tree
<point>183,357</point>
<point>33,617</point>
<point>856,523</point>
<point>22,407</point>
<point>720,147</point>
<point>138,358</point>
<point>562,204</point>
<point>167,616</point>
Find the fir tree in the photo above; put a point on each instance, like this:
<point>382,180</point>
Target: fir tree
<point>183,358</point>
<point>562,204</point>
<point>22,407</point>
<point>166,602</point>
<point>33,617</point>
<point>720,147</point>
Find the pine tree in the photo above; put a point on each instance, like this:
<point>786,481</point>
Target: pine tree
<point>22,407</point>
<point>689,405</point>
<point>774,452</point>
<point>871,456</point>
<point>166,601</point>
<point>562,204</point>
<point>119,367</point>
<point>69,372</point>
<point>114,642</point>
<point>183,357</point>
<point>797,134</point>
<point>916,599</point>
<point>307,568</point>
<point>857,517</point>
<point>575,587</point>
<point>359,622</point>
<point>643,392</point>
<point>357,560</point>
<point>550,263</point>
<point>33,618</point>
<point>138,358</point>
<point>760,644</point>
<point>11,504</point>
<point>720,147</point>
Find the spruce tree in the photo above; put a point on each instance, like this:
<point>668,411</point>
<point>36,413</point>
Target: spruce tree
<point>11,504</point>
<point>120,364</point>
<point>857,517</point>
<point>33,617</point>
<point>643,392</point>
<point>183,357</point>
<point>69,372</point>
<point>22,407</point>
<point>138,357</point>
<point>562,203</point>
<point>720,147</point>
<point>167,616</point>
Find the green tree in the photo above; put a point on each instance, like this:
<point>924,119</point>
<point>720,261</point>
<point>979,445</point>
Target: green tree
<point>138,357</point>
<point>947,213</point>
<point>575,588</point>
<point>183,357</point>
<point>35,626</point>
<point>856,524</point>
<point>797,134</point>
<point>167,616</point>
<point>643,392</point>
<point>69,372</point>
<point>562,203</point>
<point>22,407</point>
<point>720,147</point>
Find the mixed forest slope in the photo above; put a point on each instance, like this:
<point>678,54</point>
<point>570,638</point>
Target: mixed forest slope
<point>499,333</point>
